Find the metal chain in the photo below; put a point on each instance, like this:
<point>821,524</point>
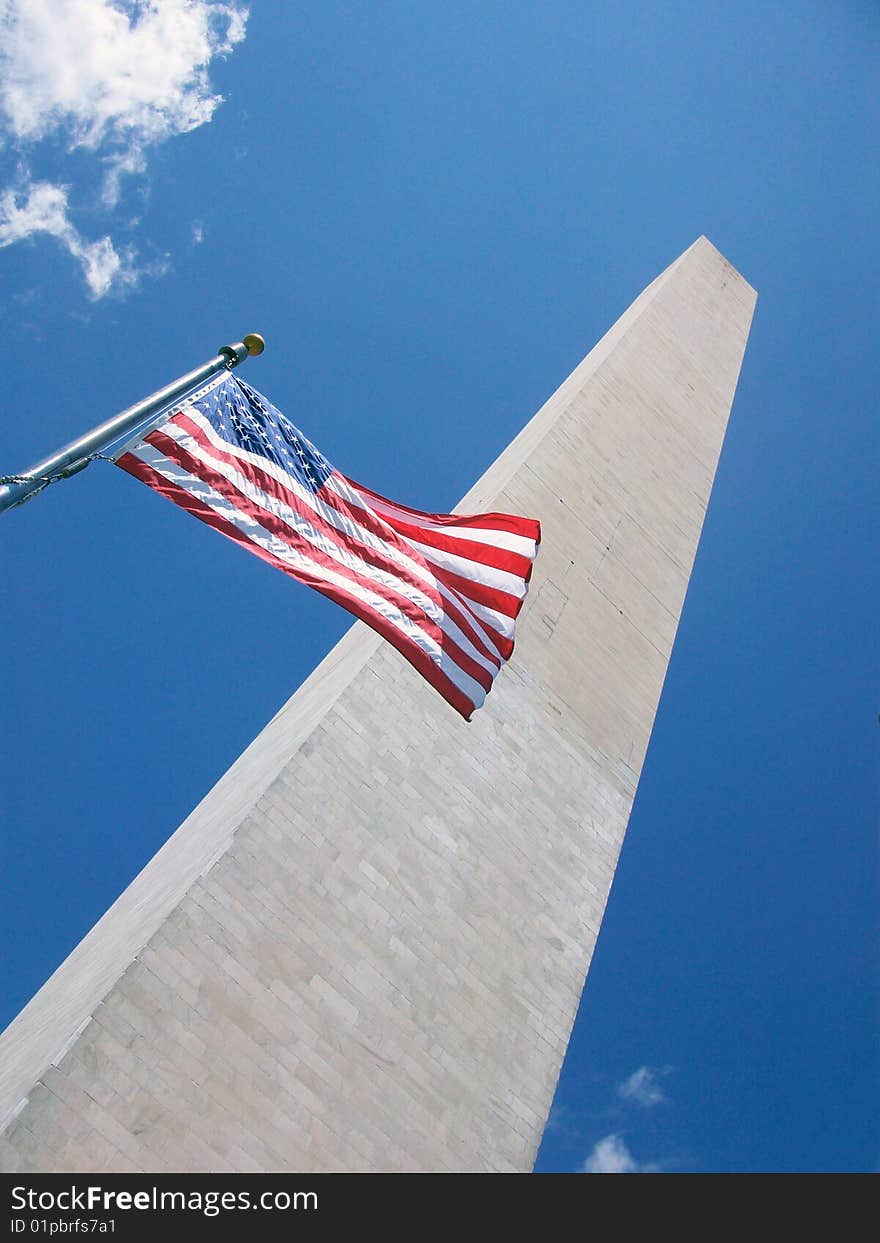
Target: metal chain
<point>45,480</point>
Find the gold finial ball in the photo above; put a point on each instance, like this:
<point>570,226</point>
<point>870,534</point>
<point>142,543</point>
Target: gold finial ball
<point>254,342</point>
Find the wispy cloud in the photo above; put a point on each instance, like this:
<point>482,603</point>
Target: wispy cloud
<point>643,1088</point>
<point>110,78</point>
<point>611,1156</point>
<point>42,208</point>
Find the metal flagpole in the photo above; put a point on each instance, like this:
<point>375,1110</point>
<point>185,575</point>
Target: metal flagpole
<point>16,489</point>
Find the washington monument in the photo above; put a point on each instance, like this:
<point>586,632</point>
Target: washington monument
<point>365,948</point>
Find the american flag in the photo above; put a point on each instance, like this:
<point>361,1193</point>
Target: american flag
<point>444,589</point>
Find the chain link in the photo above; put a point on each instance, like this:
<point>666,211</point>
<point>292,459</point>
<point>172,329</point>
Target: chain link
<point>45,480</point>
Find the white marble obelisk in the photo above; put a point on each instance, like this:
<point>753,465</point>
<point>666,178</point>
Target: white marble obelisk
<point>365,948</point>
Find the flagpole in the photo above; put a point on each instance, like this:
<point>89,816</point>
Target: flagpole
<point>16,489</point>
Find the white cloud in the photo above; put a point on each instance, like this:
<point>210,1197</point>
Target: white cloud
<point>198,233</point>
<point>42,208</point>
<point>643,1088</point>
<point>611,1156</point>
<point>121,164</point>
<point>112,78</point>
<point>124,72</point>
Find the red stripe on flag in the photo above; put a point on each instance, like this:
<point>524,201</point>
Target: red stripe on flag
<point>499,601</point>
<point>528,528</point>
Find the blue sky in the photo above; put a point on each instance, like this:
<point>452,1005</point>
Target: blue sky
<point>432,212</point>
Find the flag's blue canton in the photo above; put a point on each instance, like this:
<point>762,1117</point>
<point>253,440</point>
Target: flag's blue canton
<point>244,418</point>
